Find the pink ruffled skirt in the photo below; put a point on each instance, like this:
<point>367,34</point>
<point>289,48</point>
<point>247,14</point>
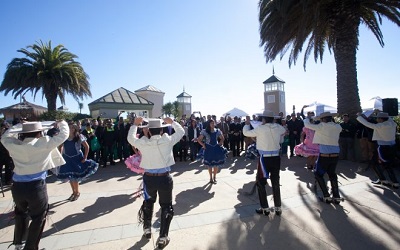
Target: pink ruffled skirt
<point>133,163</point>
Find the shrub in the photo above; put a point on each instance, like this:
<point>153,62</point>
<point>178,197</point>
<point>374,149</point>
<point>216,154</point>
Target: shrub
<point>62,115</point>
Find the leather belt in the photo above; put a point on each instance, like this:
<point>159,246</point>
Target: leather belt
<point>329,155</point>
<point>156,174</point>
<point>27,183</point>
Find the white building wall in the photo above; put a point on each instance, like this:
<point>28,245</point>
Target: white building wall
<point>155,97</point>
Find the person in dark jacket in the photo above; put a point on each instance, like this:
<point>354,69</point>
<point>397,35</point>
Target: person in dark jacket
<point>108,140</point>
<point>346,139</point>
<point>5,159</point>
<point>295,126</point>
<point>235,134</point>
<point>122,142</point>
<point>193,133</point>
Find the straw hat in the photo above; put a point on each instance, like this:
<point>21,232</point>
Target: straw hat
<point>154,123</point>
<point>325,114</point>
<point>268,113</point>
<point>382,115</point>
<point>29,127</point>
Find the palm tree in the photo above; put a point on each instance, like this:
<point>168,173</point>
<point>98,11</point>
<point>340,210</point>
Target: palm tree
<point>80,106</point>
<point>177,107</point>
<point>52,70</point>
<point>167,109</point>
<point>288,24</point>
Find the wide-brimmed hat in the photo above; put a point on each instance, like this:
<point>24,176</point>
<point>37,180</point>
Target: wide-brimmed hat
<point>325,114</point>
<point>267,113</point>
<point>382,115</point>
<point>154,123</point>
<point>29,127</point>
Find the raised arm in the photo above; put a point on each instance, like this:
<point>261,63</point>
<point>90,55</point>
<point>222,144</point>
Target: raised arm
<point>179,131</point>
<point>132,139</point>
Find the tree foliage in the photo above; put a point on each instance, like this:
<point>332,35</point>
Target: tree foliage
<point>62,115</point>
<point>172,109</point>
<point>167,109</point>
<point>54,71</point>
<point>290,25</point>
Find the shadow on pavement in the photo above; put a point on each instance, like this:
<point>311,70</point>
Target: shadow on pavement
<point>257,232</point>
<point>140,244</point>
<point>102,206</point>
<point>192,198</point>
<point>347,234</point>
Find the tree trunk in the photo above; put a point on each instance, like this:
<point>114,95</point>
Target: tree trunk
<point>345,50</point>
<point>51,97</point>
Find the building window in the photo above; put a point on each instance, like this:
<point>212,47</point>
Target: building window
<point>271,99</point>
<point>282,98</point>
<point>187,107</point>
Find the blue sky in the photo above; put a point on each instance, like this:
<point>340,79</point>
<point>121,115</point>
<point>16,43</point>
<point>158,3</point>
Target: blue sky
<point>210,48</point>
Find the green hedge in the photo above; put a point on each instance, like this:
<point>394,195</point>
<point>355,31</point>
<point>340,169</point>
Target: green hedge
<point>62,115</point>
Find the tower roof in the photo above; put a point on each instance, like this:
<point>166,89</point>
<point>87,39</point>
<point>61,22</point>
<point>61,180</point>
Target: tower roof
<point>272,79</point>
<point>184,94</point>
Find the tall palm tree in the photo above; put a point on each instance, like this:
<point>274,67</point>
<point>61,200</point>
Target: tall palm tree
<point>52,70</point>
<point>289,24</point>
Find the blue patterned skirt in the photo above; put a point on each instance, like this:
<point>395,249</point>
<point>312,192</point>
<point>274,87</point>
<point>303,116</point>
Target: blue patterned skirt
<point>75,170</point>
<point>214,155</point>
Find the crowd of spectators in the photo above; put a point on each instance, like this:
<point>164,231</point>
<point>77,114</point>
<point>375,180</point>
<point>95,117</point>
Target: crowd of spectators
<point>107,138</point>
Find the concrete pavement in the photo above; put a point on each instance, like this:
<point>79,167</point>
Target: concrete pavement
<point>220,216</point>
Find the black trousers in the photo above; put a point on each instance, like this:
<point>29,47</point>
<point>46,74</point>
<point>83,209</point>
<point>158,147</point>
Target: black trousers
<point>108,154</point>
<point>158,185</point>
<point>123,149</point>
<point>161,185</point>
<point>269,166</point>
<point>293,141</point>
<point>386,156</point>
<point>235,145</point>
<point>31,200</point>
<point>327,165</point>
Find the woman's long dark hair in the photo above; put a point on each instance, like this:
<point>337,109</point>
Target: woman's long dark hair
<point>268,119</point>
<point>22,136</point>
<point>191,123</point>
<point>155,131</point>
<point>208,128</point>
<point>76,132</point>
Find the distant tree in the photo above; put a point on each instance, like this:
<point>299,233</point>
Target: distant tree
<point>167,109</point>
<point>80,106</point>
<point>177,110</point>
<point>173,109</point>
<point>288,25</point>
<point>52,70</point>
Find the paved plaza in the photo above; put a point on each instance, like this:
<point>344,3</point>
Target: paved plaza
<point>220,216</point>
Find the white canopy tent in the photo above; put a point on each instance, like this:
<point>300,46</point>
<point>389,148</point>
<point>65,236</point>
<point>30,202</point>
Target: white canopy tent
<point>372,104</point>
<point>235,112</point>
<point>319,108</point>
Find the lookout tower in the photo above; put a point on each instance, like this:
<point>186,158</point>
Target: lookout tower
<point>274,94</point>
<point>185,103</point>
